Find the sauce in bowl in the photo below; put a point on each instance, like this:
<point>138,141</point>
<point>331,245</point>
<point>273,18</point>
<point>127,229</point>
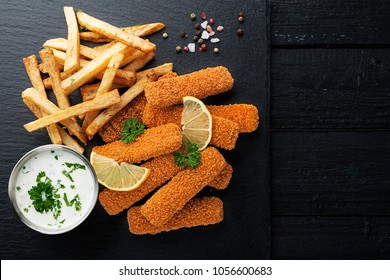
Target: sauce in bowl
<point>53,189</point>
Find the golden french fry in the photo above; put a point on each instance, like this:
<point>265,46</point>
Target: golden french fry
<point>69,141</point>
<point>88,92</point>
<point>104,47</point>
<point>110,112</point>
<point>49,108</point>
<point>114,32</point>
<point>158,71</point>
<point>62,45</point>
<point>57,115</point>
<point>139,63</point>
<point>89,71</point>
<point>72,61</point>
<point>139,30</point>
<point>31,65</point>
<point>105,85</point>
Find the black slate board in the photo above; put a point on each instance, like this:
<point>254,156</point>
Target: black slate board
<point>244,234</point>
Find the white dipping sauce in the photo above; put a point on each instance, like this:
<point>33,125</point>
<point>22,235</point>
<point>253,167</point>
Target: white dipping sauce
<point>56,162</point>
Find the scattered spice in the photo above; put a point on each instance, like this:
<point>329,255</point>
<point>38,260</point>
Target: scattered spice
<point>200,41</point>
<point>209,29</point>
<point>182,34</point>
<point>240,32</point>
<point>205,35</point>
<point>185,49</point>
<point>193,16</point>
<point>241,19</point>
<point>204,24</point>
<point>204,47</point>
<point>165,35</point>
<point>191,47</point>
<point>178,49</point>
<point>220,28</point>
<point>203,15</point>
<point>214,40</point>
<point>195,38</point>
<point>212,21</point>
<point>198,33</point>
<point>197,26</point>
<point>216,50</point>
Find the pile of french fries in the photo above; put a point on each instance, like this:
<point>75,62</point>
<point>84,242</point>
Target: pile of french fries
<point>73,67</point>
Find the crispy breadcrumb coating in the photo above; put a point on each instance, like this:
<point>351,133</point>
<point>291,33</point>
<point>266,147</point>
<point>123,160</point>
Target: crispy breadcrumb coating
<point>161,168</point>
<point>111,131</point>
<point>200,84</point>
<point>168,75</point>
<point>245,115</point>
<point>153,142</point>
<point>197,212</point>
<point>224,133</point>
<point>222,180</point>
<point>172,197</point>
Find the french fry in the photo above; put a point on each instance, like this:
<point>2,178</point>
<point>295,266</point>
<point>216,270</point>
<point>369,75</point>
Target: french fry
<point>69,141</point>
<point>88,92</point>
<point>62,45</point>
<point>158,71</point>
<point>104,47</point>
<point>72,61</point>
<point>31,65</point>
<point>57,115</point>
<point>139,63</point>
<point>110,112</point>
<point>105,85</point>
<point>89,71</point>
<point>115,33</point>
<point>50,64</point>
<point>139,30</point>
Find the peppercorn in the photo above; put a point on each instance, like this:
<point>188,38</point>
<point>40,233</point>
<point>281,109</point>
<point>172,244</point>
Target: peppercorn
<point>216,50</point>
<point>204,47</point>
<point>198,33</point>
<point>240,31</point>
<point>241,19</point>
<point>195,38</point>
<point>200,41</point>
<point>178,49</point>
<point>211,21</point>
<point>186,49</point>
<point>193,16</point>
<point>182,34</point>
<point>203,15</point>
<point>197,26</point>
<point>165,35</point>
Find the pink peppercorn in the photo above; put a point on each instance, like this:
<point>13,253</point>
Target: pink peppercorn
<point>203,15</point>
<point>203,47</point>
<point>211,21</point>
<point>200,49</point>
<point>185,49</point>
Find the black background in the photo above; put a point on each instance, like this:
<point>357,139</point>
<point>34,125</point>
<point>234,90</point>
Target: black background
<point>244,234</point>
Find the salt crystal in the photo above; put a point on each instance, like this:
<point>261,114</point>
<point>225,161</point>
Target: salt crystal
<point>212,33</point>
<point>214,40</point>
<point>191,47</point>
<point>220,28</point>
<point>209,29</point>
<point>204,24</point>
<point>205,35</point>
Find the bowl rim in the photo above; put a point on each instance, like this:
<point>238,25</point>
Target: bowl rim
<point>12,187</point>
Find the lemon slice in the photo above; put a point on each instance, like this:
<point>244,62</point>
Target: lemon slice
<point>196,122</point>
<point>118,177</point>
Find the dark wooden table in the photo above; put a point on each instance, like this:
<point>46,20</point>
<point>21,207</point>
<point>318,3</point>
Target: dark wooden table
<point>330,129</point>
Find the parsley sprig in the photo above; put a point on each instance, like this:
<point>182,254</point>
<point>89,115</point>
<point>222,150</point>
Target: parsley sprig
<point>191,158</point>
<point>132,128</point>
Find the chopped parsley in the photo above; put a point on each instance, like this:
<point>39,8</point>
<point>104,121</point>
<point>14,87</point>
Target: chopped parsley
<point>25,210</point>
<point>18,188</point>
<point>132,128</point>
<point>56,157</point>
<point>75,201</point>
<point>191,158</point>
<point>73,167</point>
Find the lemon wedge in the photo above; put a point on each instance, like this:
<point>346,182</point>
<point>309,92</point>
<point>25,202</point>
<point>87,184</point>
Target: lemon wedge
<point>196,122</point>
<point>118,177</point>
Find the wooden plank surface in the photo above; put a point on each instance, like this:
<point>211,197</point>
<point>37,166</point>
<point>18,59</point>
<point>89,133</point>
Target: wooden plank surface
<point>245,231</point>
<point>331,238</point>
<point>330,88</point>
<point>329,22</point>
<point>330,173</point>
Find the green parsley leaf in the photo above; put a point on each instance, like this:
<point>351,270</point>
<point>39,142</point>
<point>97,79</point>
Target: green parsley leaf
<point>18,188</point>
<point>73,167</point>
<point>75,201</point>
<point>191,158</point>
<point>132,128</point>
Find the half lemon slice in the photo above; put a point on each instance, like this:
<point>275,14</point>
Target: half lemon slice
<point>118,177</point>
<point>196,122</point>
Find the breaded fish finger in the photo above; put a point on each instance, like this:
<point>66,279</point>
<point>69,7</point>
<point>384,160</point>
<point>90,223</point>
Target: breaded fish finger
<point>111,131</point>
<point>245,115</point>
<point>224,133</point>
<point>197,212</point>
<point>172,197</point>
<point>153,142</point>
<point>200,84</point>
<point>221,181</point>
<point>161,168</point>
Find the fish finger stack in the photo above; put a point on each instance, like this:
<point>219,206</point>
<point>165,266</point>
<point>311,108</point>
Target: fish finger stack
<point>172,190</point>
